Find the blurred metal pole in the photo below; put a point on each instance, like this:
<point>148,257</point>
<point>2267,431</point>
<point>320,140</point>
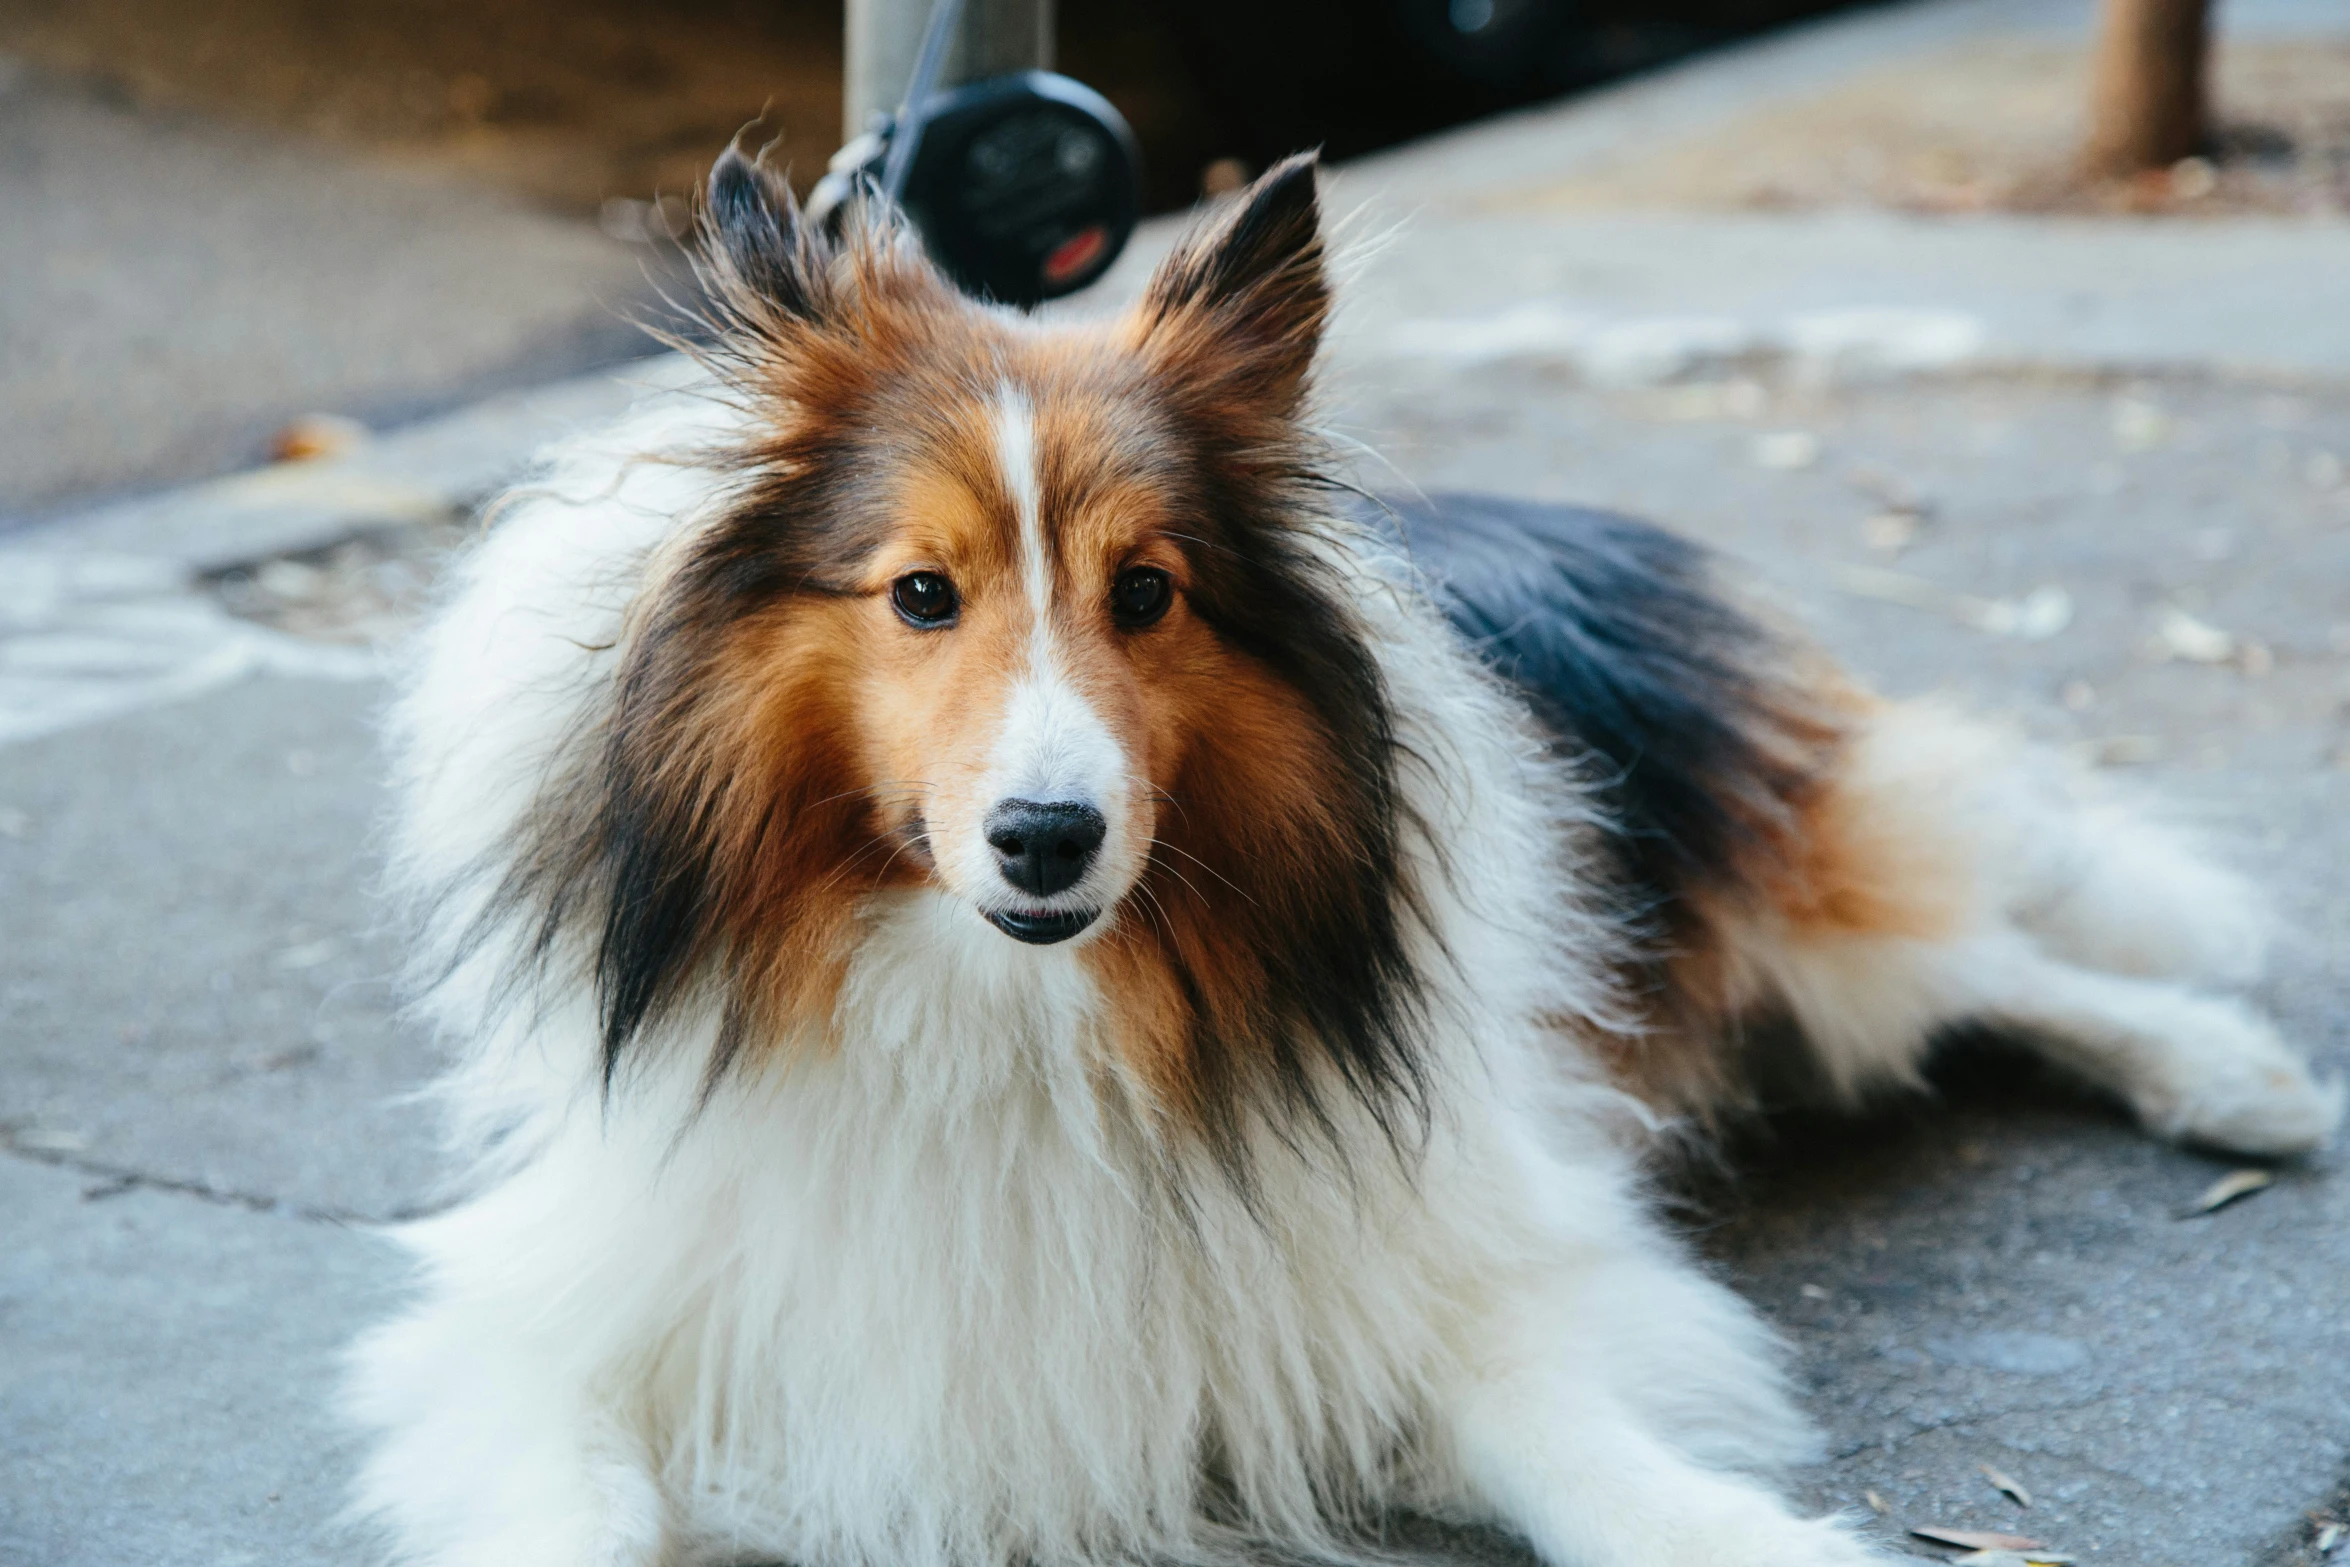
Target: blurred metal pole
<point>2149,105</point>
<point>884,36</point>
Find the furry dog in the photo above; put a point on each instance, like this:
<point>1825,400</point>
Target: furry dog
<point>1035,983</point>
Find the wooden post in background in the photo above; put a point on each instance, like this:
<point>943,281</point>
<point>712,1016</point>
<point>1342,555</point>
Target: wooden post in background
<point>2148,106</point>
<point>883,36</point>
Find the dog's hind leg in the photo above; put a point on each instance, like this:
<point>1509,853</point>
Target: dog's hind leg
<point>2097,880</point>
<point>2107,887</point>
<point>1945,876</point>
<point>2193,1066</point>
<point>2196,1067</point>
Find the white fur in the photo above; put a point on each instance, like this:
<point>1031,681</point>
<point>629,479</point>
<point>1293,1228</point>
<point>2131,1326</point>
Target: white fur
<point>943,1291</point>
<point>1051,745</point>
<point>2086,926</point>
<point>1015,447</point>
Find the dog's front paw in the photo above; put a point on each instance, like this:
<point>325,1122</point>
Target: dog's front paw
<point>2276,1112</point>
<point>2245,1090</point>
<point>1752,1530</point>
<point>1790,1542</point>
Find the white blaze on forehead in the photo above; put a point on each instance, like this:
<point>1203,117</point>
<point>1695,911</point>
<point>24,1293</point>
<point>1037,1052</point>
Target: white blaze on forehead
<point>1015,448</point>
<point>1053,745</point>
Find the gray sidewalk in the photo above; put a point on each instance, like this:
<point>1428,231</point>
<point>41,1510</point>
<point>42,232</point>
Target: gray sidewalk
<point>176,289</point>
<point>2008,458</point>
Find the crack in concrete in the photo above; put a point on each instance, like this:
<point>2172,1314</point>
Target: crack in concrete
<point>1960,1424</point>
<point>115,1180</point>
<point>1951,1423</point>
<point>2295,1546</point>
<point>1854,1448</point>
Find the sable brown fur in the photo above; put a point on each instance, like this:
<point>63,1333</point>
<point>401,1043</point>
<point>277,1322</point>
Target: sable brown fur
<point>771,742</point>
<point>1113,1033</point>
<point>1720,746</point>
<point>774,737</point>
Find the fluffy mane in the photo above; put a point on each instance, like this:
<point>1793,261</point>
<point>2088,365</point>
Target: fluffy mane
<point>715,841</point>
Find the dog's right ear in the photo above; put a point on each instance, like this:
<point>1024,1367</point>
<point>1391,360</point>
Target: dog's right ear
<point>1241,302</point>
<point>753,238</point>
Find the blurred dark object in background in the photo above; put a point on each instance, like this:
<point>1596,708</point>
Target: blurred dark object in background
<point>1025,185</point>
<point>610,106</point>
<point>1271,76</point>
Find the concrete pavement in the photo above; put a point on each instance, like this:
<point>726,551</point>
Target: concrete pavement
<point>176,290</point>
<point>202,1098</point>
<point>1997,1278</point>
<point>202,1061</point>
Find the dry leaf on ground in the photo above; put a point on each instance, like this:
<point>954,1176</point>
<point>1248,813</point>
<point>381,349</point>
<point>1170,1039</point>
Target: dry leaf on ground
<point>1787,450</point>
<point>2180,635</point>
<point>2117,750</point>
<point>1975,1539</point>
<point>2037,616</point>
<point>2225,1190</point>
<point>2006,1485</point>
<point>2139,426</point>
<point>317,435</point>
<point>1891,531</point>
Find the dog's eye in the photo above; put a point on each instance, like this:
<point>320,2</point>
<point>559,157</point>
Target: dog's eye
<point>924,598</point>
<point>1141,595</point>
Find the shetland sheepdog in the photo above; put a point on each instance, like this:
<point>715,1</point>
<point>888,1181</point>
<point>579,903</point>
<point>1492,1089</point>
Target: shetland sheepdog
<point>1036,981</point>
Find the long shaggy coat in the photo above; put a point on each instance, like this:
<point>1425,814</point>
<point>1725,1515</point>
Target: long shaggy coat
<point>1034,982</point>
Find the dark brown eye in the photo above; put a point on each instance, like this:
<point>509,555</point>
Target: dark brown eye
<point>924,598</point>
<point>1141,595</point>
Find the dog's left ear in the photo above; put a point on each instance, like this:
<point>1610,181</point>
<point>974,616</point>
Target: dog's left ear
<point>752,237</point>
<point>1242,302</point>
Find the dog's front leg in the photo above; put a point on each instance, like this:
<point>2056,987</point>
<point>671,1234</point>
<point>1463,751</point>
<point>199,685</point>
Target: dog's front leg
<point>1566,1429</point>
<point>489,1457</point>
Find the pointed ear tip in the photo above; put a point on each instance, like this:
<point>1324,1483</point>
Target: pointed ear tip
<point>738,179</point>
<point>1293,184</point>
<point>724,187</point>
<point>1299,168</point>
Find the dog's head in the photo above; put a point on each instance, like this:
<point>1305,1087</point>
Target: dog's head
<point>1042,618</point>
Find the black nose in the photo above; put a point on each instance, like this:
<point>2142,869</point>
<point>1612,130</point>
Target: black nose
<point>1044,847</point>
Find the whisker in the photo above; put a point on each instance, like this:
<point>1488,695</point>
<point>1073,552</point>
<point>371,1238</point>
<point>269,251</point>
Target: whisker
<point>1161,843</point>
<point>1179,876</point>
<point>892,860</point>
<point>1163,796</point>
<point>1166,922</point>
<point>870,846</point>
<point>903,786</point>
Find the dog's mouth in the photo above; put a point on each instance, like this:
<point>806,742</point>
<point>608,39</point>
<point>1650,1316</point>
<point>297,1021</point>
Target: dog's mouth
<point>1042,930</point>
